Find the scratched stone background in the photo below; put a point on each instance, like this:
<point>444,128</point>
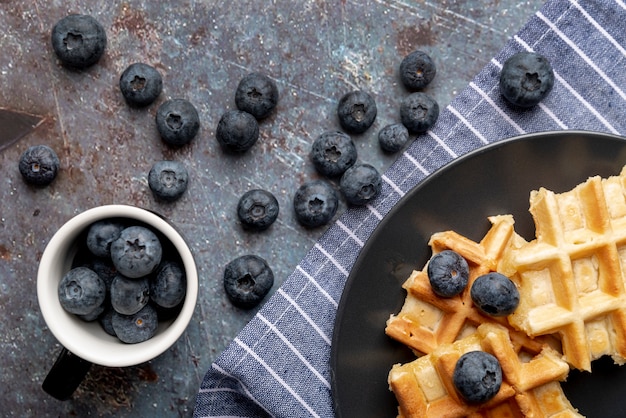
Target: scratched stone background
<point>315,50</point>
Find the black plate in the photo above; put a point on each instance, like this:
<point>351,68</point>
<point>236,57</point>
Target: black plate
<point>496,179</point>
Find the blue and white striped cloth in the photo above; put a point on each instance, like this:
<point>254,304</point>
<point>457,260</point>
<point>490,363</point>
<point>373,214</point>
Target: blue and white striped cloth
<point>279,364</point>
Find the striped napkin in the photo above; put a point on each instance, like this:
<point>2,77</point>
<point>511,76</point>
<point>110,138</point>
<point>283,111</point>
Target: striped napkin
<point>278,365</point>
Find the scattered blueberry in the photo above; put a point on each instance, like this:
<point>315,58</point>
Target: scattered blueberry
<point>177,121</point>
<point>39,165</point>
<point>81,291</point>
<point>356,111</point>
<point>495,294</point>
<point>129,296</point>
<point>332,153</point>
<point>136,328</point>
<point>417,70</point>
<point>448,273</point>
<point>237,131</point>
<point>168,180</point>
<point>100,236</point>
<point>418,112</point>
<point>78,40</point>
<point>256,94</point>
<point>169,286</point>
<point>257,209</point>
<point>526,78</point>
<point>137,252</point>
<point>141,84</point>
<point>247,279</point>
<point>477,376</point>
<point>392,138</point>
<point>315,203</point>
<point>360,184</point>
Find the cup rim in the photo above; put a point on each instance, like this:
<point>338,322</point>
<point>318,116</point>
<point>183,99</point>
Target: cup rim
<point>88,340</point>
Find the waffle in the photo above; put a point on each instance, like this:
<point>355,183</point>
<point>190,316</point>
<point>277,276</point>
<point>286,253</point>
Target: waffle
<point>427,320</point>
<point>530,384</point>
<point>570,277</point>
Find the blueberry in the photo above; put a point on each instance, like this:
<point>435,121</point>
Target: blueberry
<point>256,94</point>
<point>333,153</point>
<point>315,203</point>
<point>257,209</point>
<point>247,279</point>
<point>495,294</point>
<point>129,296</point>
<point>477,376</point>
<point>81,291</point>
<point>169,286</point>
<point>177,121</point>
<point>106,321</point>
<point>105,269</point>
<point>526,78</point>
<point>100,236</point>
<point>237,131</point>
<point>78,40</point>
<point>136,328</point>
<point>93,315</point>
<point>392,138</point>
<point>417,70</point>
<point>448,273</point>
<point>39,165</point>
<point>356,111</point>
<point>360,184</point>
<point>165,314</point>
<point>140,84</point>
<point>418,112</point>
<point>168,180</point>
<point>137,252</point>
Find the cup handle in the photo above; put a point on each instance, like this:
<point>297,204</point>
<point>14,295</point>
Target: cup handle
<point>65,375</point>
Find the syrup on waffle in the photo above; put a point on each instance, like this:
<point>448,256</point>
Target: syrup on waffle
<point>427,320</point>
<point>530,387</point>
<point>571,277</point>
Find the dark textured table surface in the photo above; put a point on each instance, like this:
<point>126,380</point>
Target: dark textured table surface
<point>316,51</point>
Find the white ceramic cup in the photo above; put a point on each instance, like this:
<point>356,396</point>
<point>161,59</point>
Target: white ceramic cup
<point>87,340</point>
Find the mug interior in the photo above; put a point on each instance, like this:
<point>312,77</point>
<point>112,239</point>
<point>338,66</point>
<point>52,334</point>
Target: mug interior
<point>87,339</point>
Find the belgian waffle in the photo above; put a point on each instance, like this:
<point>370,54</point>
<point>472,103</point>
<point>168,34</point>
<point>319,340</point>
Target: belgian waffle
<point>530,387</point>
<point>427,320</point>
<point>571,277</point>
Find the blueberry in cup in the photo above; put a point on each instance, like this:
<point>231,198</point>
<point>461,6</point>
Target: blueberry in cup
<point>137,252</point>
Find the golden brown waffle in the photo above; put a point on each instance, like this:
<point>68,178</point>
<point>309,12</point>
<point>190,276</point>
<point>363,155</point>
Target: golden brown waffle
<point>530,387</point>
<point>571,277</point>
<point>427,320</point>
